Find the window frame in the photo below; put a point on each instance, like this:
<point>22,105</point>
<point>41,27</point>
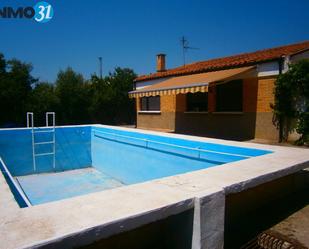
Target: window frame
<point>145,103</point>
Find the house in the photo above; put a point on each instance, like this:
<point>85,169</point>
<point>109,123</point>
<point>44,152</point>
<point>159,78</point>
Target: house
<point>227,98</point>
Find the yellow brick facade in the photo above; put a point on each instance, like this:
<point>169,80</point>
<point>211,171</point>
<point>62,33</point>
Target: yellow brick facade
<point>265,94</point>
<point>255,122</point>
<point>164,121</point>
<point>265,97</point>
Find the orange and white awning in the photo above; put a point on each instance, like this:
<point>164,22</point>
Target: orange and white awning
<point>191,83</point>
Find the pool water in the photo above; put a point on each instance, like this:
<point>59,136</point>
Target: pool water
<point>96,158</point>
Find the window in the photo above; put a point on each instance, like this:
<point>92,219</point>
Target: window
<point>150,103</point>
<point>197,102</point>
<point>229,96</point>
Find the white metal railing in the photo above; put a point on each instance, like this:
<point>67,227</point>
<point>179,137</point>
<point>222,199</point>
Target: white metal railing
<point>15,184</point>
<point>147,141</point>
<point>30,120</point>
<point>47,129</point>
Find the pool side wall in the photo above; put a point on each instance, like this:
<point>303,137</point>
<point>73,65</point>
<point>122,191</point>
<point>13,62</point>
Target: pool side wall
<point>73,150</point>
<point>133,157</point>
<point>67,223</point>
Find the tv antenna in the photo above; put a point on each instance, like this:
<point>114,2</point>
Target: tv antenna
<point>100,67</point>
<point>185,48</point>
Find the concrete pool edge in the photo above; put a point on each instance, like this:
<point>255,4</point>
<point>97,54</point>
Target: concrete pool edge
<point>64,220</point>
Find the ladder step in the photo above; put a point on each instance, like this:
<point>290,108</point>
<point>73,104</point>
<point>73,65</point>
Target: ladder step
<point>44,154</point>
<point>49,142</point>
<point>43,131</point>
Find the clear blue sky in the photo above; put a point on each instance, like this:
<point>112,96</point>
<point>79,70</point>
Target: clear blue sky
<point>130,33</point>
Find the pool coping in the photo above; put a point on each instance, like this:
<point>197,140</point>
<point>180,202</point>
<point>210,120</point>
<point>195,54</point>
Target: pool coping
<point>99,215</point>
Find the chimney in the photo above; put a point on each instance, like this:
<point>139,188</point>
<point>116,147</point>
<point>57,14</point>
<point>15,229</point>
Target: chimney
<point>161,63</point>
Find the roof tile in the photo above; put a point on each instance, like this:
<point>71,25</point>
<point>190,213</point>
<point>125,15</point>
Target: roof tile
<point>245,59</point>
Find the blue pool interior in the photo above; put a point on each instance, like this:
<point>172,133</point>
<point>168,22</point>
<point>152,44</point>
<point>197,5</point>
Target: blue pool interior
<point>96,158</point>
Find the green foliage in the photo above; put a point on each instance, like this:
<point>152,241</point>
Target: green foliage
<point>2,65</point>
<point>72,92</point>
<point>74,99</point>
<point>42,99</point>
<point>291,107</point>
<point>15,87</point>
<point>303,128</point>
<point>110,103</point>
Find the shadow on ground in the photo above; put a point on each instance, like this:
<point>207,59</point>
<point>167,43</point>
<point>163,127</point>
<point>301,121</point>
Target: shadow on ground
<point>255,210</point>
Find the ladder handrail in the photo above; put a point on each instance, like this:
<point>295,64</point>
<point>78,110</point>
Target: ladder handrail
<point>47,118</point>
<point>30,115</point>
<point>53,141</point>
<point>47,114</point>
<point>28,119</point>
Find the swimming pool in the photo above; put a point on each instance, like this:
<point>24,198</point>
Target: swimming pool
<point>95,158</point>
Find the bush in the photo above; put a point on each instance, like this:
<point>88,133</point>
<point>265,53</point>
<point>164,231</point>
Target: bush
<point>292,102</point>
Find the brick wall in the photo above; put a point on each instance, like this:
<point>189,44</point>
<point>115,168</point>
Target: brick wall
<point>164,121</point>
<point>168,103</point>
<point>264,126</point>
<point>265,94</point>
<point>137,102</point>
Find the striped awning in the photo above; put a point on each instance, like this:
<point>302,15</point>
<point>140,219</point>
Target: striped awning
<point>170,91</point>
<point>190,83</point>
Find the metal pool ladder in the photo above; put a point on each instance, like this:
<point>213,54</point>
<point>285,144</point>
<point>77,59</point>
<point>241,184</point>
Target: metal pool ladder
<point>36,132</point>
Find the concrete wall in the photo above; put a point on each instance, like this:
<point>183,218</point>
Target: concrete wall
<point>173,232</point>
<point>227,126</point>
<point>268,69</point>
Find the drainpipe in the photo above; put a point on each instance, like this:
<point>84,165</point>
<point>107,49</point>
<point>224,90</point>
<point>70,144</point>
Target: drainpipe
<point>135,104</point>
<point>281,64</point>
<point>284,62</point>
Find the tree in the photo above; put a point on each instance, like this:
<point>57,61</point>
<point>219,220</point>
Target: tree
<point>122,82</point>
<point>15,87</point>
<point>110,102</point>
<point>73,94</point>
<point>2,65</point>
<point>291,106</point>
<point>75,100</point>
<point>41,100</point>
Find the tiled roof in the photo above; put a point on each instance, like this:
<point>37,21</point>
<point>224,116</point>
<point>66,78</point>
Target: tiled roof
<point>245,59</point>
